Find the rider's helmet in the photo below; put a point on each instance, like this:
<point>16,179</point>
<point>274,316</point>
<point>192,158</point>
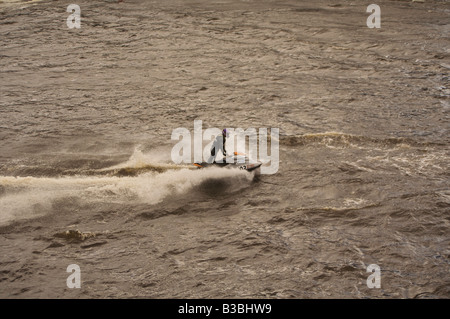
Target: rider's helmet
<point>225,132</point>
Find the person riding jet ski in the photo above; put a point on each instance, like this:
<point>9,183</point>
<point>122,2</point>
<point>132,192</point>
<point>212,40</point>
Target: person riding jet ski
<point>234,160</point>
<point>219,145</point>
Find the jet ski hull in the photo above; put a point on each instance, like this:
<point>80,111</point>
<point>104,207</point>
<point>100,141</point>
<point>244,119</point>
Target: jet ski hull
<point>246,165</point>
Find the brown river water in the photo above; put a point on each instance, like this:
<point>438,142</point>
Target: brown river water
<point>86,176</point>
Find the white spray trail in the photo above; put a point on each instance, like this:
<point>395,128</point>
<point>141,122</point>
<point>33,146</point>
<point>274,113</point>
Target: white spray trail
<point>28,197</point>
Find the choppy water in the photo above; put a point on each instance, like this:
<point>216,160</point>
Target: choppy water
<point>85,127</point>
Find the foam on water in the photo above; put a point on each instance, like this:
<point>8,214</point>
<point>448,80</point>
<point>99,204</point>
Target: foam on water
<point>28,197</point>
<point>139,159</point>
<point>339,139</point>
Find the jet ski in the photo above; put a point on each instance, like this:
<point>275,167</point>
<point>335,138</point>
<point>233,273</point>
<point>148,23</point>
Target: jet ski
<point>238,160</point>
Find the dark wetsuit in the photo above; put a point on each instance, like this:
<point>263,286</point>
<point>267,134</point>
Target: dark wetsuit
<point>218,146</point>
